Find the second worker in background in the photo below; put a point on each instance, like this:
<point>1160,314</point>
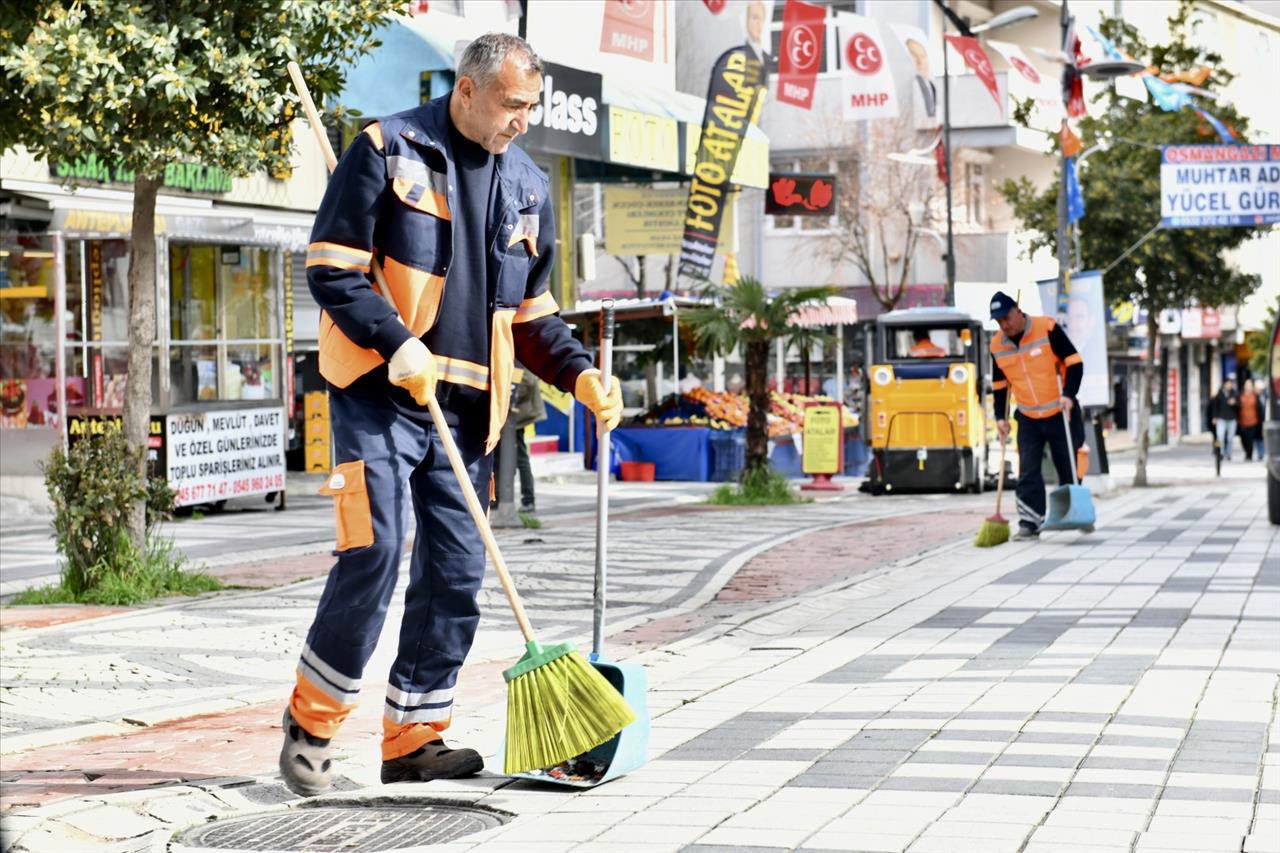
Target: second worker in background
<point>1033,357</point>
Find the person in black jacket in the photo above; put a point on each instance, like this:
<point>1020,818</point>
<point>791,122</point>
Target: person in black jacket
<point>1223,410</point>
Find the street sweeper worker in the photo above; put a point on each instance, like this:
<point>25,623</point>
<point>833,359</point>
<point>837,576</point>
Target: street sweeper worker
<point>1033,357</point>
<point>461,223</point>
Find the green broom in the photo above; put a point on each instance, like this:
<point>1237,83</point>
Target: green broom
<point>558,705</point>
<point>995,530</point>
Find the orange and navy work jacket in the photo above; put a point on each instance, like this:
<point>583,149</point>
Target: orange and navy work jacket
<point>391,198</point>
<point>1041,367</point>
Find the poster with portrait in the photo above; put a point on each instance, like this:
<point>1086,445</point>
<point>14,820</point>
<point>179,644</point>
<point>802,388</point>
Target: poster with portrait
<point>925,97</point>
<point>1082,315</point>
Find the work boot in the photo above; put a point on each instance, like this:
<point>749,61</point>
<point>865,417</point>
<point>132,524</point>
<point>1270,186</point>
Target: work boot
<point>528,508</point>
<point>432,761</point>
<point>1026,531</point>
<point>304,759</point>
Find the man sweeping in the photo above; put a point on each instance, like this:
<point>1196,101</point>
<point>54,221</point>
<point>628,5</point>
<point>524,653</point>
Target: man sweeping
<point>1035,358</point>
<point>461,224</point>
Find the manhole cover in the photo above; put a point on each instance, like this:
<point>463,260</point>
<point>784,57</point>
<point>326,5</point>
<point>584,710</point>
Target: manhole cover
<point>349,827</point>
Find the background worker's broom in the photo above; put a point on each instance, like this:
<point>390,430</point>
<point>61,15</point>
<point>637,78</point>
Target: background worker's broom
<point>995,530</point>
<point>558,705</point>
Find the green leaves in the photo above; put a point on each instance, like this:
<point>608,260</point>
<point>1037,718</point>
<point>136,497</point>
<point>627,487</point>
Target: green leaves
<point>141,83</point>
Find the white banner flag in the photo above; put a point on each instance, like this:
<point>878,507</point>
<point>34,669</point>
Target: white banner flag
<point>1026,81</point>
<point>869,90</point>
<point>924,94</point>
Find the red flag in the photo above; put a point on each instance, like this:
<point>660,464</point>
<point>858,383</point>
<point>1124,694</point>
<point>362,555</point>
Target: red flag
<point>716,6</point>
<point>940,157</point>
<point>628,28</point>
<point>803,32</point>
<point>976,58</point>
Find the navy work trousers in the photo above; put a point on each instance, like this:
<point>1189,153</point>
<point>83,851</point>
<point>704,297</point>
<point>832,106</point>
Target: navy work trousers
<point>388,460</point>
<point>1033,435</point>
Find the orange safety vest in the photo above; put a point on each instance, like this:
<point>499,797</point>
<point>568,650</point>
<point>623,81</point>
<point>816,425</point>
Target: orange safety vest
<point>926,349</point>
<point>1032,368</point>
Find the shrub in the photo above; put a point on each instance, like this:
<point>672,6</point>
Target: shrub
<point>760,486</point>
<point>91,487</point>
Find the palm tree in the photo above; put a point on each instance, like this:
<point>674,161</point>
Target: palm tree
<point>746,315</point>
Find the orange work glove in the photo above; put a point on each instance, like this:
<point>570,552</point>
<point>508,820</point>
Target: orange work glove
<point>413,368</point>
<point>589,391</point>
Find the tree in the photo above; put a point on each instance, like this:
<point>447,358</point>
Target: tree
<point>141,84</point>
<point>882,208</point>
<point>745,315</point>
<point>1157,269</point>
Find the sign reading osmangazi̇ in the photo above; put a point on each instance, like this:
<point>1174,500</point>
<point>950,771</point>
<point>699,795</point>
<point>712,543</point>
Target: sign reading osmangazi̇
<point>1203,186</point>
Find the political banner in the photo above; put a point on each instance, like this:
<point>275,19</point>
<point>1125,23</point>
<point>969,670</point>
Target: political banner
<point>925,94</point>
<point>800,195</point>
<point>869,90</point>
<point>1082,315</point>
<point>1026,81</point>
<point>628,28</point>
<point>734,98</point>
<point>800,54</point>
<point>978,61</point>
<point>1204,186</point>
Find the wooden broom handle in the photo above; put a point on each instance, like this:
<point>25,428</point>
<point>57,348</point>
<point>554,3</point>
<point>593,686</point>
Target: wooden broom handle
<point>437,417</point>
<point>1000,485</point>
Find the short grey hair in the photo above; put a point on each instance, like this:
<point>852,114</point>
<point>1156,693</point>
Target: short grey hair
<point>483,58</point>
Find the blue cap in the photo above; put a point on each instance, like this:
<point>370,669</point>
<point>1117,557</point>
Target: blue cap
<point>1001,304</point>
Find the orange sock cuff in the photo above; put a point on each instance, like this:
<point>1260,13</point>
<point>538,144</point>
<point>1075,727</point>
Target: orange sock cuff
<point>317,712</point>
<point>401,739</point>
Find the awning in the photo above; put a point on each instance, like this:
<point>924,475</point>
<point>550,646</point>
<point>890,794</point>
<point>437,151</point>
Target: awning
<point>835,311</point>
<point>108,213</point>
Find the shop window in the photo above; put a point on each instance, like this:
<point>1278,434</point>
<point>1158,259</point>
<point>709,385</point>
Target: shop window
<point>223,327</point>
<point>846,172</point>
<point>27,338</point>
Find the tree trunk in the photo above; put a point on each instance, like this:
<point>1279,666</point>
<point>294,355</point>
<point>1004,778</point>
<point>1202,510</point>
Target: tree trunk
<point>142,334</point>
<point>1145,384</point>
<point>757,366</point>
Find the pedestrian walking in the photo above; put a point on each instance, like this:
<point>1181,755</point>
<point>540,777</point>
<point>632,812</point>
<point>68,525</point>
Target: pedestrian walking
<point>1249,418</point>
<point>1224,410</point>
<point>529,409</point>
<point>462,226</point>
<point>1034,357</point>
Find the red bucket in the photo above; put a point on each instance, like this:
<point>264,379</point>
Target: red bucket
<point>640,472</point>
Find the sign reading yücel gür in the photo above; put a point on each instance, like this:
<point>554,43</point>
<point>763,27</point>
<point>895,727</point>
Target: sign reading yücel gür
<point>1214,185</point>
<point>567,119</point>
<point>225,454</point>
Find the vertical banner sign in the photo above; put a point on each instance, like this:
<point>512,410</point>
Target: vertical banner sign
<point>915,43</point>
<point>628,28</point>
<point>1082,315</point>
<point>803,34</point>
<point>289,405</point>
<point>869,90</point>
<point>976,58</point>
<point>1172,406</point>
<point>733,100</point>
<point>95,316</point>
<point>1026,81</point>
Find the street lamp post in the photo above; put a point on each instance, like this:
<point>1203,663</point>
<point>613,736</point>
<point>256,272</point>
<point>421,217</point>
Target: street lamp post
<point>1012,16</point>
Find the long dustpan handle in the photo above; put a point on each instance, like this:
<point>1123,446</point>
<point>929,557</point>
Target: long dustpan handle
<point>602,484</point>
<point>437,416</point>
<point>1066,424</point>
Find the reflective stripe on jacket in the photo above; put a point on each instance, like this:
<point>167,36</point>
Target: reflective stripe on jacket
<point>391,197</point>
<point>1032,368</point>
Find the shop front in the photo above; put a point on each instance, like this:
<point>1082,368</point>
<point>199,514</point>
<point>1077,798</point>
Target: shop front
<point>221,378</point>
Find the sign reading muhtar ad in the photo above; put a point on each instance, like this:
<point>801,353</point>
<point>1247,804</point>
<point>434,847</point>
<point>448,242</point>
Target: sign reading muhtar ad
<point>1203,186</point>
<point>734,99</point>
<point>225,454</point>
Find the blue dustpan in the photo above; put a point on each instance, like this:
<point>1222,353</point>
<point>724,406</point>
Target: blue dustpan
<point>628,749</point>
<point>1070,508</point>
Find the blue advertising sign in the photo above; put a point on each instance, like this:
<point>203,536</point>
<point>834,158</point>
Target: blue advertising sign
<point>1204,186</point>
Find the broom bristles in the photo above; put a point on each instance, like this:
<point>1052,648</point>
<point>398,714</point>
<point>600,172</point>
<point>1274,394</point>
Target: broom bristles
<point>559,710</point>
<point>992,533</point>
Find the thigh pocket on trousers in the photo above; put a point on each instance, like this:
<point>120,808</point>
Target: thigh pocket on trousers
<point>351,505</point>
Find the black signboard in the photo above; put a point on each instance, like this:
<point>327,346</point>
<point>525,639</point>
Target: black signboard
<point>800,195</point>
<point>85,425</point>
<point>568,120</point>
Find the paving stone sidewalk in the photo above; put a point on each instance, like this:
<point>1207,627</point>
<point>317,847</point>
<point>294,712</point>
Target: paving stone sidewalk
<point>1112,692</point>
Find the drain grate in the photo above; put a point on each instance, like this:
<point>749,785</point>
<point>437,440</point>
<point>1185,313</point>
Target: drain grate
<point>350,827</point>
